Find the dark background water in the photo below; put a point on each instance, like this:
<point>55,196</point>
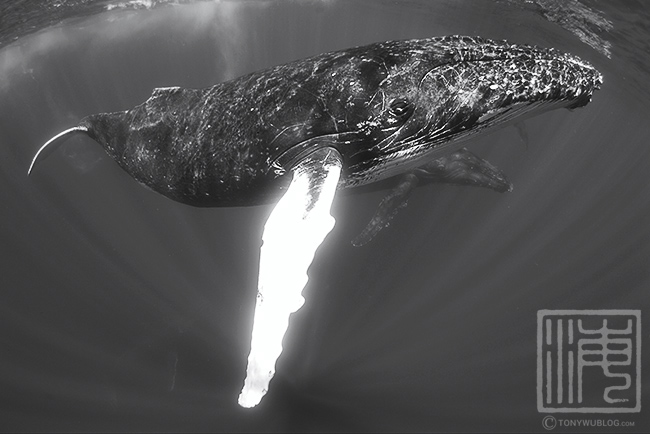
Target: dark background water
<point>122,310</point>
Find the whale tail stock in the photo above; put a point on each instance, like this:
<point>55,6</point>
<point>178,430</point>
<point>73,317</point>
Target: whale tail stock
<point>52,144</point>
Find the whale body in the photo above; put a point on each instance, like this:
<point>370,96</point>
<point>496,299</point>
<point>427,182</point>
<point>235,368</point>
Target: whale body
<point>386,108</point>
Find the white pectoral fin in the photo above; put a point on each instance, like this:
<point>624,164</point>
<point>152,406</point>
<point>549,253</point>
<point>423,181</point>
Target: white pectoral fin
<point>296,227</point>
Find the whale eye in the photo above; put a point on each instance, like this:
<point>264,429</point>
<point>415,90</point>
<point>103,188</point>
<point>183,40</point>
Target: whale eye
<point>400,107</point>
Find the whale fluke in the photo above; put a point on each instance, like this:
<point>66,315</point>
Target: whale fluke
<point>54,143</point>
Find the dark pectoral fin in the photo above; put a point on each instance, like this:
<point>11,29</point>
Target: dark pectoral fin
<point>460,168</point>
<point>523,132</point>
<point>388,207</point>
<point>464,168</point>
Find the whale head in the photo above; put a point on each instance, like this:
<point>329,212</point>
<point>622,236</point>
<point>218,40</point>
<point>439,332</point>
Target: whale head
<point>424,96</point>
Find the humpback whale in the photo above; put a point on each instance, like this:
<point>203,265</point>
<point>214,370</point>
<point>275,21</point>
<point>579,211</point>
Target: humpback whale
<point>294,134</point>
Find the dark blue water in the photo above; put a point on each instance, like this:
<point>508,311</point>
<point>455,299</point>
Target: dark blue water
<point>121,310</point>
